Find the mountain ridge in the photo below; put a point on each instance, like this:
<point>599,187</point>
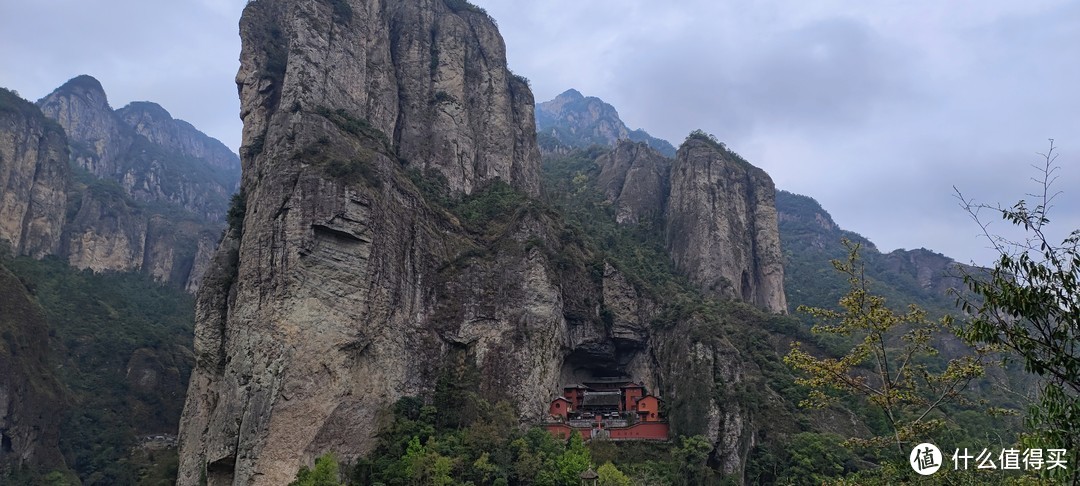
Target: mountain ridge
<point>572,120</point>
<point>105,197</point>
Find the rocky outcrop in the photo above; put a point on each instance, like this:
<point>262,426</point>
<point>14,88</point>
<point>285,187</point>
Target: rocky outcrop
<point>334,298</point>
<point>572,120</point>
<point>178,136</point>
<point>98,139</point>
<point>148,192</point>
<point>34,178</point>
<point>31,398</point>
<point>430,80</point>
<point>635,179</point>
<point>721,225</point>
<point>348,285</point>
<point>155,158</point>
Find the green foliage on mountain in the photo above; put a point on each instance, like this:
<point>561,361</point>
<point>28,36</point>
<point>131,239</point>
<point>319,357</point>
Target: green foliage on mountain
<point>810,240</point>
<point>11,102</point>
<point>120,343</point>
<point>490,448</point>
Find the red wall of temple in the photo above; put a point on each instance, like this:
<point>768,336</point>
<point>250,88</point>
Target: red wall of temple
<point>641,431</point>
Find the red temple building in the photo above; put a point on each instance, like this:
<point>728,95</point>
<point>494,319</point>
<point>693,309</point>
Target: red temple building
<point>612,409</point>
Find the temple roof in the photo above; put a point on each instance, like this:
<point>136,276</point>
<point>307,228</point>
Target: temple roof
<point>602,399</point>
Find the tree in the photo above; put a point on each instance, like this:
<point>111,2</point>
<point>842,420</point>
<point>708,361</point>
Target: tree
<point>888,365</point>
<point>609,475</point>
<point>574,460</point>
<point>692,455</point>
<point>325,473</point>
<point>1029,304</point>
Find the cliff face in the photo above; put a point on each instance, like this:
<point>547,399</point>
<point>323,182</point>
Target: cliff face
<point>636,179</point>
<point>348,286</point>
<point>147,193</point>
<point>155,158</point>
<point>574,120</point>
<point>156,124</point>
<point>430,79</point>
<point>31,398</point>
<point>717,210</point>
<point>334,300</point>
<point>721,225</point>
<point>33,177</point>
<point>97,137</point>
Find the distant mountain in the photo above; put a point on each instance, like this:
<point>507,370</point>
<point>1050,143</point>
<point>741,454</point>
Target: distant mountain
<point>153,156</point>
<point>810,239</point>
<point>572,120</point>
<point>94,362</point>
<point>125,190</point>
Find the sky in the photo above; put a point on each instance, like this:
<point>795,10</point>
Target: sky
<point>875,109</point>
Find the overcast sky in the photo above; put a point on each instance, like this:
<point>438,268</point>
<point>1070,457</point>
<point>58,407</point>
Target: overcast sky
<point>875,109</point>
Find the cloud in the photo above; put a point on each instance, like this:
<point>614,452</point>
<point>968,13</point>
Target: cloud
<point>181,55</point>
<point>875,109</point>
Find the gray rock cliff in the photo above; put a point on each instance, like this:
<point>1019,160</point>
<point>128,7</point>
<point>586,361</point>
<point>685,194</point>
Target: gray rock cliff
<point>34,178</point>
<point>335,297</point>
<point>141,147</point>
<point>722,225</point>
<point>156,124</point>
<point>143,191</point>
<point>347,285</point>
<point>635,179</point>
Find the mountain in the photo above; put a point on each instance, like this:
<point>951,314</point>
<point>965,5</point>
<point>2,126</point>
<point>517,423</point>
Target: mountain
<point>141,147</point>
<point>95,361</point>
<point>34,175</point>
<point>332,297</point>
<point>721,225</point>
<point>393,243</point>
<point>142,192</point>
<point>810,239</point>
<point>572,120</point>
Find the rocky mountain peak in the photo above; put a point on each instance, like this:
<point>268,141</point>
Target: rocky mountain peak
<point>34,175</point>
<point>147,196</point>
<point>85,86</point>
<point>427,79</point>
<point>82,108</point>
<point>635,178</point>
<point>570,94</point>
<point>572,120</point>
<point>722,224</point>
<point>154,122</point>
<point>150,110</point>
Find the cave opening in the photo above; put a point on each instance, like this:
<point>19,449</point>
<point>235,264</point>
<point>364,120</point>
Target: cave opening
<point>614,363</point>
<point>5,442</point>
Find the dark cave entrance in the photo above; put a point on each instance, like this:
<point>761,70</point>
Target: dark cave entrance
<point>5,442</point>
<point>611,360</point>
